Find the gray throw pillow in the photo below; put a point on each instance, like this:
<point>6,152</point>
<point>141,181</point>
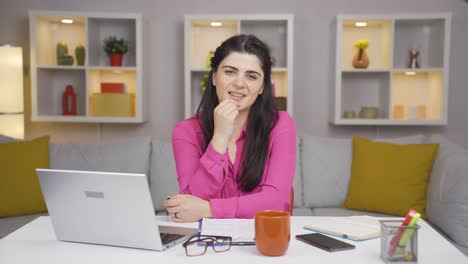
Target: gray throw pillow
<point>447,196</point>
<point>6,139</point>
<point>163,174</point>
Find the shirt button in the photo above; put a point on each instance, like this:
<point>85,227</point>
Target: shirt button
<point>222,160</point>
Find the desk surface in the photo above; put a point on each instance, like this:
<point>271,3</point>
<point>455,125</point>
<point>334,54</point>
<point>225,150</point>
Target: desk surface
<point>36,243</point>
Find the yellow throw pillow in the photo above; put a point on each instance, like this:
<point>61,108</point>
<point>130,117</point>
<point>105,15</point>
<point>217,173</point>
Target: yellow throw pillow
<point>389,178</point>
<point>20,192</point>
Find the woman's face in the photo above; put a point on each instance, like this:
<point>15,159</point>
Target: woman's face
<point>239,77</point>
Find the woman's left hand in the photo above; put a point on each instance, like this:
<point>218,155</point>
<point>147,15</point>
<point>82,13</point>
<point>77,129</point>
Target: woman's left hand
<point>187,208</point>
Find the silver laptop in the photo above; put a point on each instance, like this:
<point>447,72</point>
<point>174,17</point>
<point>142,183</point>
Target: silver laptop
<point>106,208</point>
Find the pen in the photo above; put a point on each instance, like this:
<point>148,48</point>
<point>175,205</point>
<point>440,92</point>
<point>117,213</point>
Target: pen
<point>200,224</point>
<point>408,232</point>
<point>243,243</point>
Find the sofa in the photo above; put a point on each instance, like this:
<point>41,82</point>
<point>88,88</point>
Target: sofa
<point>320,185</point>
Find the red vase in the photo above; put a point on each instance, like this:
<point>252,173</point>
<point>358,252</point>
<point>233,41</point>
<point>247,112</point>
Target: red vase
<point>69,101</point>
<point>116,59</point>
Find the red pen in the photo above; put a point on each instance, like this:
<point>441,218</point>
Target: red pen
<point>399,233</point>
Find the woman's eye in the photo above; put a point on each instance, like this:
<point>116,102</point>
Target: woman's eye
<point>252,77</point>
<point>229,72</point>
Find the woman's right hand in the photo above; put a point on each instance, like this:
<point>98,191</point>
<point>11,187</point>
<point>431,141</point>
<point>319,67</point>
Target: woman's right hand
<point>224,116</point>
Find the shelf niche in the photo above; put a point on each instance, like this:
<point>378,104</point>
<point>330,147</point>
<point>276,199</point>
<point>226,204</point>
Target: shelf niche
<point>51,86</point>
<point>271,32</point>
<point>379,35</point>
<point>426,36</point>
<point>206,38</point>
<point>411,92</point>
<point>99,29</point>
<point>366,89</point>
<point>50,31</point>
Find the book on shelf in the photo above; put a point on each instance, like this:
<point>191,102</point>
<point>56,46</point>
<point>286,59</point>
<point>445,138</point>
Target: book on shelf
<point>109,87</point>
<point>356,228</point>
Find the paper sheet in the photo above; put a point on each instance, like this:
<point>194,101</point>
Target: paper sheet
<point>238,229</point>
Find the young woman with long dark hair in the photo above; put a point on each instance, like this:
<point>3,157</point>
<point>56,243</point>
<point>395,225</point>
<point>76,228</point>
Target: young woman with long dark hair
<point>237,155</point>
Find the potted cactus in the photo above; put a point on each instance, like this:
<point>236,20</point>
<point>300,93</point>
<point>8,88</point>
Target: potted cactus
<point>115,48</point>
<point>80,55</point>
<point>63,58</point>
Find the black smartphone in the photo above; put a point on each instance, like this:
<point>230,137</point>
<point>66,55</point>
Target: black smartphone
<point>324,242</point>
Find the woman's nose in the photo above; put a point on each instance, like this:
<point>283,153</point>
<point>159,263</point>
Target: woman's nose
<point>239,82</point>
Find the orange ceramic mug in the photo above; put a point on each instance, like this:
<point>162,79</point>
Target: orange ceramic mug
<point>272,232</point>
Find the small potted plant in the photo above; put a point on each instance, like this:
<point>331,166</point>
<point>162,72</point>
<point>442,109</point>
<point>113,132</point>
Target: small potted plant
<point>115,48</point>
<point>361,60</point>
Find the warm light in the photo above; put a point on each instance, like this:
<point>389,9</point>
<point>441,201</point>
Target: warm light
<point>361,24</point>
<point>117,71</point>
<point>11,87</point>
<point>410,73</point>
<point>67,21</point>
<point>216,24</point>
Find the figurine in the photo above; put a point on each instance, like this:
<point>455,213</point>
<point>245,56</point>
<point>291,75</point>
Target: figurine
<point>413,59</point>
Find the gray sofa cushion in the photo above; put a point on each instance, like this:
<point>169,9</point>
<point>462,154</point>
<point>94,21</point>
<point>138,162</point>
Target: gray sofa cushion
<point>344,212</point>
<point>302,211</point>
<point>132,156</point>
<point>462,249</point>
<point>163,174</point>
<point>326,168</point>
<point>10,224</point>
<point>447,196</point>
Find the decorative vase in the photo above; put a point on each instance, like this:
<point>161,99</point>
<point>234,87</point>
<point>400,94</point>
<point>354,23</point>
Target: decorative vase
<point>115,59</point>
<point>349,114</point>
<point>69,101</point>
<point>62,51</point>
<point>368,112</point>
<point>361,60</point>
<point>80,55</point>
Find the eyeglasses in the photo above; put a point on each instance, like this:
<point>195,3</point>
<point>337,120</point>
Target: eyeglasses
<point>197,245</point>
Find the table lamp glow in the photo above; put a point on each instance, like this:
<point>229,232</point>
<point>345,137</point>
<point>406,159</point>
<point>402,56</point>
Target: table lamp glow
<point>11,92</point>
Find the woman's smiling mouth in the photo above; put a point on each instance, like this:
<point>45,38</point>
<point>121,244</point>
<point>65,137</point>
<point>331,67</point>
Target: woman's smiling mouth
<point>236,96</point>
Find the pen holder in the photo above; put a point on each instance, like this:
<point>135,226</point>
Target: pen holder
<point>398,244</point>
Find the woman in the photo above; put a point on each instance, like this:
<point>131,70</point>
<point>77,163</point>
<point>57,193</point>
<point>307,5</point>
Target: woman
<point>237,155</point>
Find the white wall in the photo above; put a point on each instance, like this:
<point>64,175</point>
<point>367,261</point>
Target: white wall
<point>314,34</point>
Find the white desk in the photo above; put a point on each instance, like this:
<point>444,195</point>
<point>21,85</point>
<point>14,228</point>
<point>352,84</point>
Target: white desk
<point>36,243</point>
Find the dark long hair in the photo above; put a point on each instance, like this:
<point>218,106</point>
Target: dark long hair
<point>262,115</point>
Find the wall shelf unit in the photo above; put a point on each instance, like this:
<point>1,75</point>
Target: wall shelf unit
<point>402,94</point>
<point>201,38</point>
<point>49,80</point>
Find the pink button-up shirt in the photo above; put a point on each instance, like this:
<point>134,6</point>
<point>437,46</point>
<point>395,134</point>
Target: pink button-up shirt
<point>212,176</point>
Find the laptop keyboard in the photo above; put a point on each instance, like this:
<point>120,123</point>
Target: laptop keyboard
<point>167,238</point>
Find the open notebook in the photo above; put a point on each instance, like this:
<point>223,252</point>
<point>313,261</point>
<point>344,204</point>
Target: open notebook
<point>355,228</point>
